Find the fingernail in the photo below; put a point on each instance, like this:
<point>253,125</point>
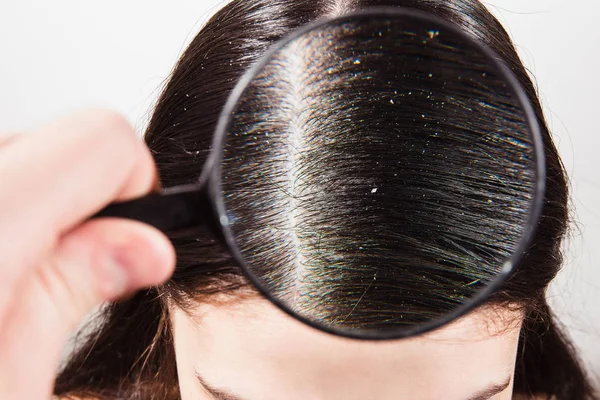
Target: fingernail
<point>116,282</point>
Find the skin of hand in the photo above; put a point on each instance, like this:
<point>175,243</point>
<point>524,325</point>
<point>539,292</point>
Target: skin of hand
<point>56,265</point>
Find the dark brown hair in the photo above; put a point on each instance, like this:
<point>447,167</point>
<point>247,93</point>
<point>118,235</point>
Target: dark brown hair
<point>130,354</point>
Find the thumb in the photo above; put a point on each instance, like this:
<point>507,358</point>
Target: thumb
<point>103,260</point>
<point>100,260</point>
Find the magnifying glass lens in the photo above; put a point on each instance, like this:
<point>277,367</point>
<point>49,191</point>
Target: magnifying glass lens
<point>380,174</point>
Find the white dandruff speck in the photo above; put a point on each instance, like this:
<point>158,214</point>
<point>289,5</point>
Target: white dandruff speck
<point>374,190</point>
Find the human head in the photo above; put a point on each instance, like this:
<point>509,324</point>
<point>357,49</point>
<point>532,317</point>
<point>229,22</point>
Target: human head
<point>179,136</point>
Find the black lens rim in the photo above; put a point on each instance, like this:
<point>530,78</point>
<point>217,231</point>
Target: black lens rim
<point>212,171</point>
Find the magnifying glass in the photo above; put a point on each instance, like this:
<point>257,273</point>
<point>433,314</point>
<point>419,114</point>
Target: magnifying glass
<point>398,167</point>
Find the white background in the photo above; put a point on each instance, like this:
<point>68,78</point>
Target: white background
<point>61,55</point>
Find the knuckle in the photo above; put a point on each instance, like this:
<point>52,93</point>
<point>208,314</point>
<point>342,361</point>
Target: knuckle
<point>110,126</point>
<point>108,117</point>
<point>112,134</point>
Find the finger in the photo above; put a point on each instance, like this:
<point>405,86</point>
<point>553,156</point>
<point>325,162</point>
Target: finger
<point>103,260</point>
<point>96,146</point>
<point>56,176</point>
<point>99,261</point>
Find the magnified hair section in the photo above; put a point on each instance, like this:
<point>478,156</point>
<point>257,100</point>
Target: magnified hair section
<point>378,173</point>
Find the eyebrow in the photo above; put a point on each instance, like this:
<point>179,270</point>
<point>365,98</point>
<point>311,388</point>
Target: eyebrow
<point>484,394</point>
<point>217,394</point>
<point>489,391</point>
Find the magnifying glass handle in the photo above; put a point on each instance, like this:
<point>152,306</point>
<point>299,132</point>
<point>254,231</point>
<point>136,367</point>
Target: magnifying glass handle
<point>168,210</point>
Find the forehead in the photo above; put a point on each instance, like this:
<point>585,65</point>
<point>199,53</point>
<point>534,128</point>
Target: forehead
<point>251,345</point>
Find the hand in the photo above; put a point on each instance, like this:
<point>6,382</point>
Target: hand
<point>55,266</point>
